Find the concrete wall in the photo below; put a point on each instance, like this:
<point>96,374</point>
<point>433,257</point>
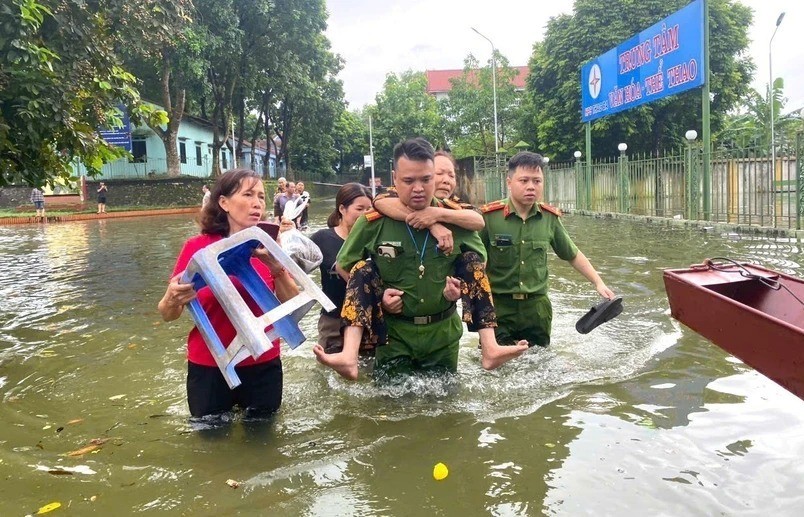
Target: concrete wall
<point>163,192</point>
<point>322,191</point>
<point>12,197</point>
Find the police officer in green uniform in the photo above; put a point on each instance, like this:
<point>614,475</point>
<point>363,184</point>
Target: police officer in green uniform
<point>519,230</point>
<point>424,335</point>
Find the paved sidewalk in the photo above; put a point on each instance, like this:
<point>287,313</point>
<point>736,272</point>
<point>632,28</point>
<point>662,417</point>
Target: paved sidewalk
<point>30,219</point>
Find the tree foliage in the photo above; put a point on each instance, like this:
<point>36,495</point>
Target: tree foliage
<point>594,28</point>
<point>403,110</point>
<point>165,60</point>
<point>469,111</point>
<point>351,140</point>
<point>65,66</point>
<point>315,117</point>
<point>749,128</point>
<point>278,66</point>
<point>218,25</point>
<point>59,81</point>
<point>310,101</point>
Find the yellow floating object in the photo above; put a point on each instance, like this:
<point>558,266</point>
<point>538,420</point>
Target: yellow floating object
<point>48,508</point>
<point>440,471</point>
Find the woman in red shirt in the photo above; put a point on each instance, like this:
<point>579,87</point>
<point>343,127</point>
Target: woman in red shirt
<point>237,202</point>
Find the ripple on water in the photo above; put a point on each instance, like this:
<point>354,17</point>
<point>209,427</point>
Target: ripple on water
<point>726,446</point>
<point>611,352</point>
<point>638,413</point>
<point>326,470</point>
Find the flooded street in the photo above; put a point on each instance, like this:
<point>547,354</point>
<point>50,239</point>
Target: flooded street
<point>640,415</point>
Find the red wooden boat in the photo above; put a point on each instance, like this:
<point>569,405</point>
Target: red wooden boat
<point>753,313</point>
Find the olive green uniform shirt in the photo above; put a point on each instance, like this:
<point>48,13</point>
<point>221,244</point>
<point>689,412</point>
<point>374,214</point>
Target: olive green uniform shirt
<point>517,248</point>
<point>398,252</point>
<point>399,268</point>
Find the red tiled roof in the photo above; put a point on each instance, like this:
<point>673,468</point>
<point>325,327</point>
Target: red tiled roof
<point>438,80</point>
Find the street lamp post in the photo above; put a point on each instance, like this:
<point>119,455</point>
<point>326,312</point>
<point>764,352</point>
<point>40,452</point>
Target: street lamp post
<point>692,179</point>
<point>624,208</point>
<point>493,87</point>
<point>578,195</point>
<point>771,103</point>
<point>371,153</point>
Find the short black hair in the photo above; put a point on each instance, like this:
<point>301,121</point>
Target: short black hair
<point>526,160</point>
<point>416,149</point>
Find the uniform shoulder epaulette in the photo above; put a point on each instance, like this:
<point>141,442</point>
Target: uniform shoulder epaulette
<point>373,215</point>
<point>452,203</point>
<point>491,207</point>
<point>552,209</point>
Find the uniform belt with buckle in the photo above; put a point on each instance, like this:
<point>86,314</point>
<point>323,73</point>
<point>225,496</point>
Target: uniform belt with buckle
<point>515,296</point>
<point>424,320</point>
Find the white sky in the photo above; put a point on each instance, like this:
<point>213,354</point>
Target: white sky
<point>376,37</point>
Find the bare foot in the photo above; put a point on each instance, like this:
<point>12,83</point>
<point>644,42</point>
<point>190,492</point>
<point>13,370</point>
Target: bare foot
<point>494,355</point>
<point>344,365</point>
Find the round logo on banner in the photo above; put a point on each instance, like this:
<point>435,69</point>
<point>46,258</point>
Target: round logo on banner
<point>595,81</point>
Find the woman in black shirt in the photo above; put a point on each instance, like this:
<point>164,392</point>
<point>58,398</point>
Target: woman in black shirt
<point>352,201</point>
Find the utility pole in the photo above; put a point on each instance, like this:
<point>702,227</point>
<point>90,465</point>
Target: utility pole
<point>371,154</point>
<point>493,88</point>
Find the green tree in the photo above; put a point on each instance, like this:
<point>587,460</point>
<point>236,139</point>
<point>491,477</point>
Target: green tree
<point>218,26</point>
<point>350,140</point>
<point>166,61</point>
<point>261,23</point>
<point>287,76</point>
<point>469,111</point>
<point>748,129</point>
<point>315,117</point>
<point>59,81</point>
<point>310,100</point>
<point>403,110</point>
<point>594,28</point>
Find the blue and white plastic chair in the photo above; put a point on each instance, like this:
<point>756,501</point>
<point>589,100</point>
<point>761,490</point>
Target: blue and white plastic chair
<point>212,266</point>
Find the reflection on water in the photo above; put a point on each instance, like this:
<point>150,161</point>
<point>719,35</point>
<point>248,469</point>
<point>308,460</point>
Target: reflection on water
<point>639,413</point>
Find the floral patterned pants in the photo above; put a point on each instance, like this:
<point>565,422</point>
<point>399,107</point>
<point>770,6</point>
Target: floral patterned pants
<point>361,307</point>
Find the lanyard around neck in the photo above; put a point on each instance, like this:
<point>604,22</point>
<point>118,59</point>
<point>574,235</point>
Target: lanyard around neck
<point>419,252</point>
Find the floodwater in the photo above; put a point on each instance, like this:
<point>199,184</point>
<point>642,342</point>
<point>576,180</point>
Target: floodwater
<point>640,416</point>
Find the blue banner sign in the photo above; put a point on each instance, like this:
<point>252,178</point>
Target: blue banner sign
<point>663,60</point>
<point>119,136</point>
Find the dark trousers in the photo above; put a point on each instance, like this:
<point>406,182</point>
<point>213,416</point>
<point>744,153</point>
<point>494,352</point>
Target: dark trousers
<point>260,392</point>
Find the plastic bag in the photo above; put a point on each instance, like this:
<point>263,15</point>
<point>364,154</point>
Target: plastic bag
<point>295,207</point>
<point>301,249</point>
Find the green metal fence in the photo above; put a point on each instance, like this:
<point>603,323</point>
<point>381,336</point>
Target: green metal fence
<point>745,187</point>
<point>482,178</point>
<point>146,168</point>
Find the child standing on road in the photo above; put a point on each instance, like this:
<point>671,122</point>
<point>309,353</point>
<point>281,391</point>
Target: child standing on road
<point>38,199</point>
